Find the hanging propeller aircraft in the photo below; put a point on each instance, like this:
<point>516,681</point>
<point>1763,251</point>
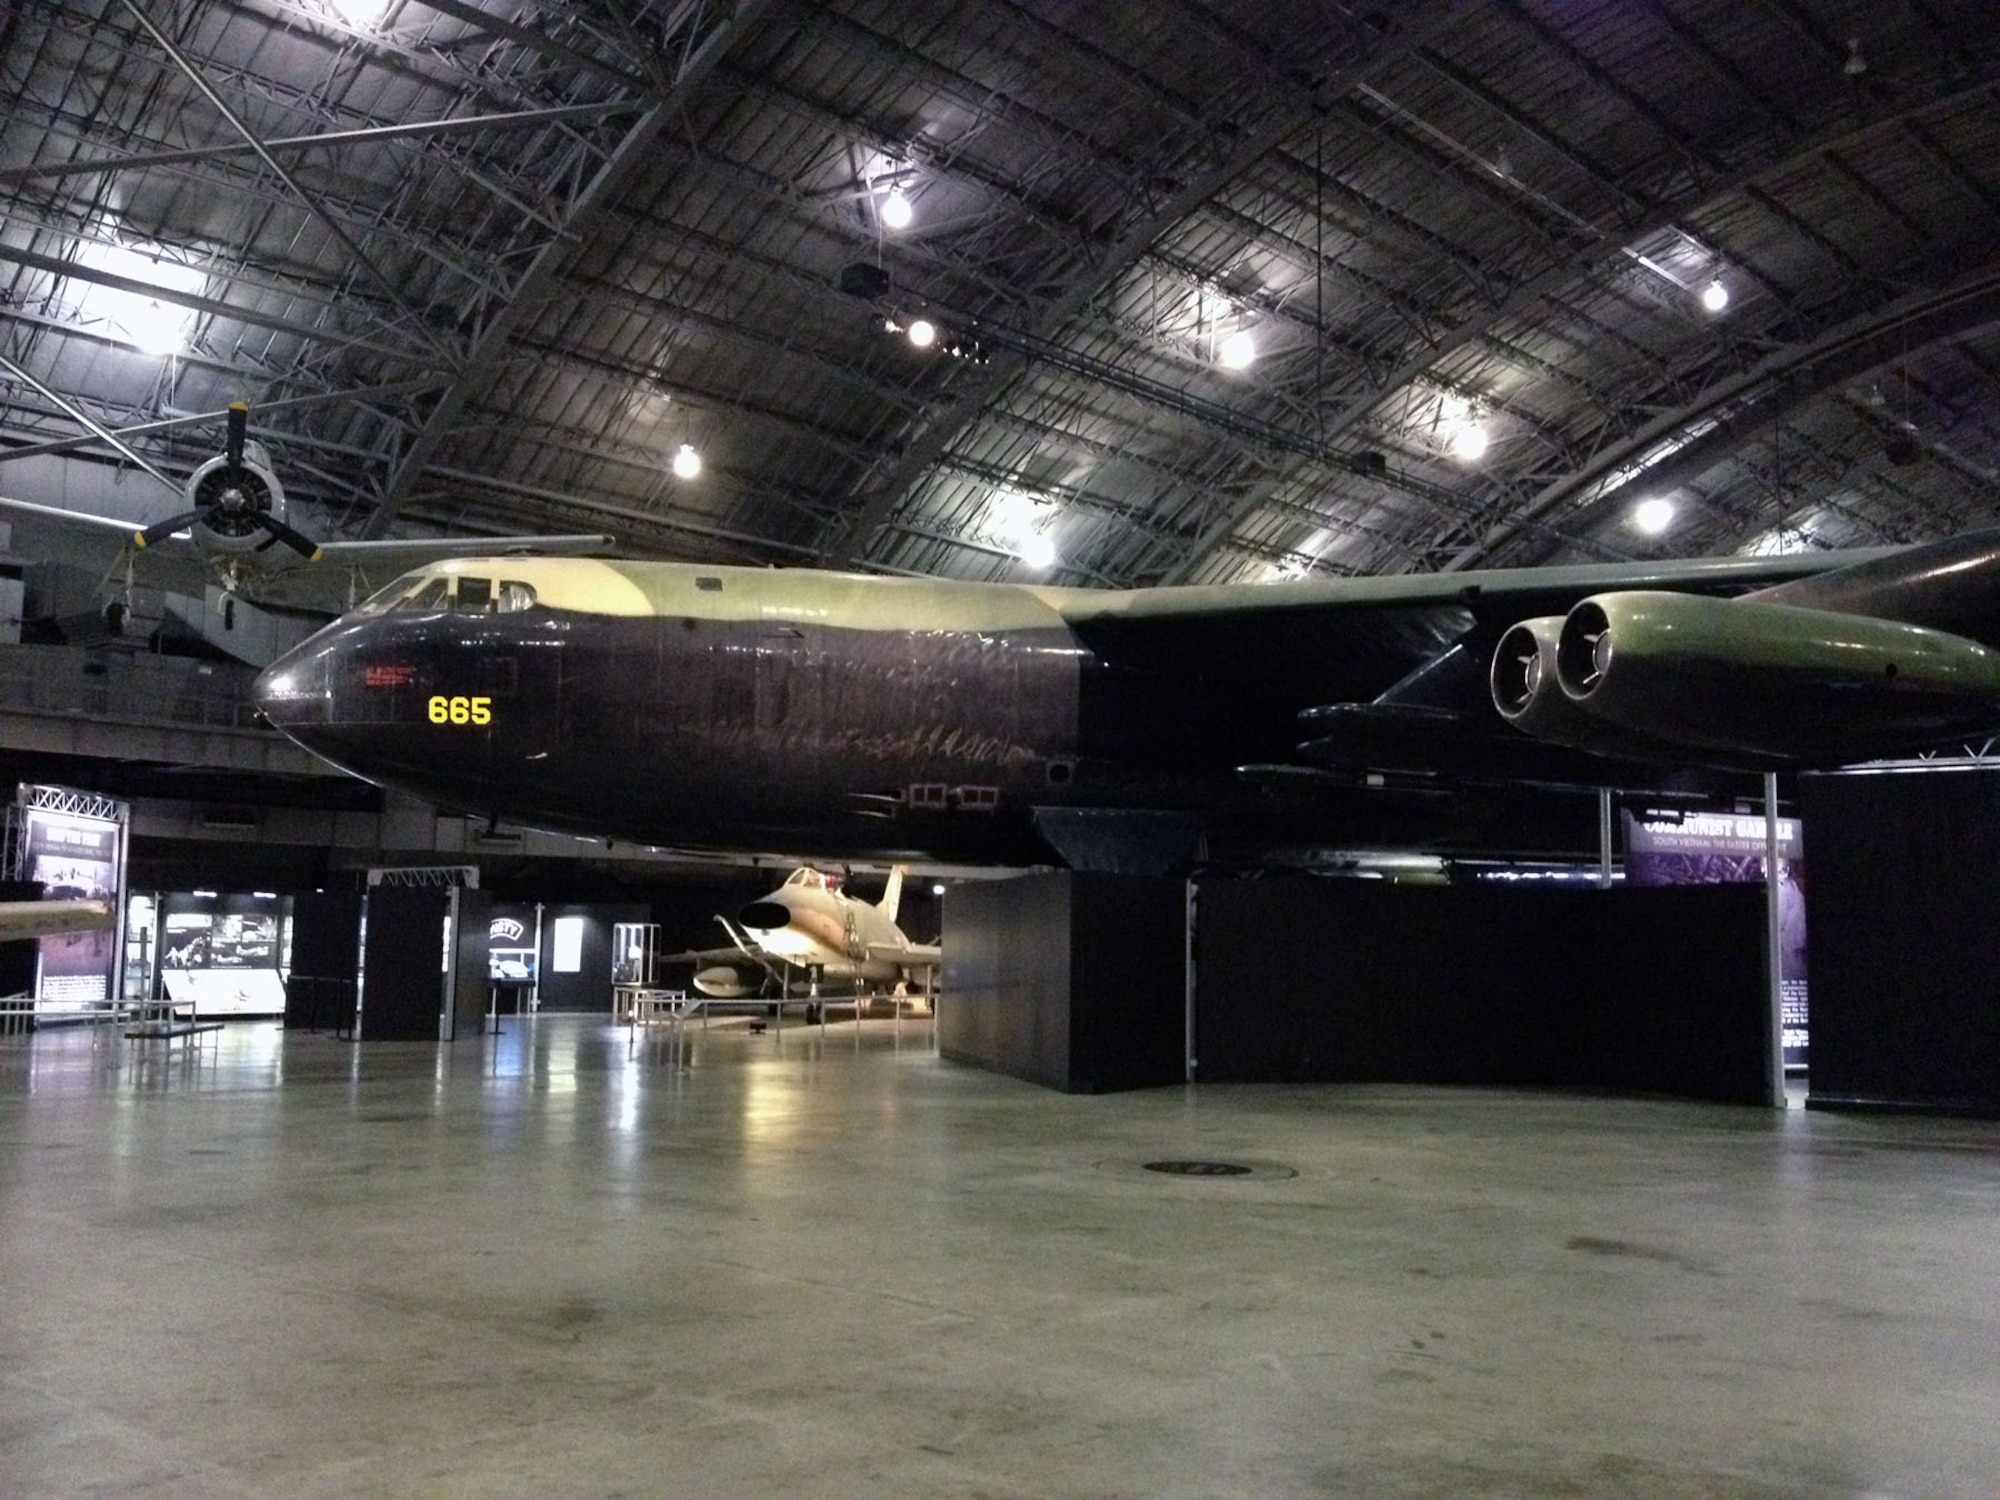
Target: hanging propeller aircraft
<point>238,504</point>
<point>235,539</point>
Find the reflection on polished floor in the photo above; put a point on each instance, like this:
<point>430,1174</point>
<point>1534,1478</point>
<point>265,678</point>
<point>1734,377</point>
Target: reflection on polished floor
<point>553,1263</point>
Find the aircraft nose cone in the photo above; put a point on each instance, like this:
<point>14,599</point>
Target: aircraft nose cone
<point>291,692</point>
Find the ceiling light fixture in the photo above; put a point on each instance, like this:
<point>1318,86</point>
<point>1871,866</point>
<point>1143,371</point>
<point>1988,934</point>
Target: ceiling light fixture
<point>1237,351</point>
<point>1714,297</point>
<point>896,210</point>
<point>1470,441</point>
<point>1653,516</point>
<point>145,322</point>
<point>687,462</point>
<point>922,332</point>
<point>1038,552</point>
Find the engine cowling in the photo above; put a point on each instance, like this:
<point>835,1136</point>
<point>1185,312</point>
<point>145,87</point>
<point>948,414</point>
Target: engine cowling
<point>230,492</point>
<point>1528,694</point>
<point>1815,687</point>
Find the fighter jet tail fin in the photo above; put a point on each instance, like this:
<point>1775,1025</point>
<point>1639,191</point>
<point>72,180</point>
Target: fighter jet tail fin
<point>893,896</point>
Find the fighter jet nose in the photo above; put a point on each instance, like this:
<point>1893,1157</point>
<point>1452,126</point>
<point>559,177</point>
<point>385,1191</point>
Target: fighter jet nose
<point>765,916</point>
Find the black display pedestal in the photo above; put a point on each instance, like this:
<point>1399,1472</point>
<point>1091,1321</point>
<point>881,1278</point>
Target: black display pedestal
<point>1903,956</point>
<point>1075,981</point>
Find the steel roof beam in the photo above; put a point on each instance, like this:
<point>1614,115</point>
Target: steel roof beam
<point>885,492</point>
<point>480,365</point>
<point>1776,386</point>
<point>330,140</point>
<point>1525,295</point>
<point>312,203</point>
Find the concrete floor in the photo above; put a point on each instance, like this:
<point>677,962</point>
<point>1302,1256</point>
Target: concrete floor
<point>549,1265</point>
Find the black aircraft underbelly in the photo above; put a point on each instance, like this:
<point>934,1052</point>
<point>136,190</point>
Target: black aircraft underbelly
<point>845,742</point>
<point>688,731</point>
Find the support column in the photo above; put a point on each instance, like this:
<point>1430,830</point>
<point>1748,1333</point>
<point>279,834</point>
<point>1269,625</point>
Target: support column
<point>1188,997</point>
<point>1773,940</point>
<point>1604,838</point>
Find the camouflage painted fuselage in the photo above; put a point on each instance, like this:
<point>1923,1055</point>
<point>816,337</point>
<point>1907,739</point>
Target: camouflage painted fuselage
<point>737,708</point>
<point>824,714</point>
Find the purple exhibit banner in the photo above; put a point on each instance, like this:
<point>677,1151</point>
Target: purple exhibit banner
<point>74,857</point>
<point>1722,849</point>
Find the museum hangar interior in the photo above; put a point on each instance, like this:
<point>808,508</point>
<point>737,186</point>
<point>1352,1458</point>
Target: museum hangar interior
<point>1408,1113</point>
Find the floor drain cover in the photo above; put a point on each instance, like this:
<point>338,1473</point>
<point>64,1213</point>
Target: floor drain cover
<point>1200,1168</point>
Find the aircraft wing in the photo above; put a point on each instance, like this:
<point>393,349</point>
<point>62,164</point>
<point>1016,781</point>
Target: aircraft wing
<point>701,956</point>
<point>34,919</point>
<point>411,551</point>
<point>82,518</point>
<point>1541,674</point>
<point>909,955</point>
<point>400,552</point>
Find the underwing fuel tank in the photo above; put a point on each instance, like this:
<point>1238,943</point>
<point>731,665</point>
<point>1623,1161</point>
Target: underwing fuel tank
<point>1812,686</point>
<point>729,982</point>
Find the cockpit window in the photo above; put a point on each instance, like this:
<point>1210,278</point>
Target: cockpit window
<point>475,594</point>
<point>386,598</point>
<point>515,597</point>
<point>430,596</point>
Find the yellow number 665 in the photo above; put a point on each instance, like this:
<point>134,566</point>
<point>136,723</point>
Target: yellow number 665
<point>461,710</point>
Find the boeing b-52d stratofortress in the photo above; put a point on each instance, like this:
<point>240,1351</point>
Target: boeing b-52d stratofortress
<point>811,925</point>
<point>895,718</point>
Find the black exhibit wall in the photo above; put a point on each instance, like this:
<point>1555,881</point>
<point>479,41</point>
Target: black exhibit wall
<point>471,974</point>
<point>402,997</point>
<point>326,958</point>
<point>1904,962</point>
<point>17,959</point>
<point>588,985</point>
<point>1346,981</point>
<point>1070,980</point>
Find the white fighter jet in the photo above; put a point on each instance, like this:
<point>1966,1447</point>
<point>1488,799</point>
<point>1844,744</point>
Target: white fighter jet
<point>811,927</point>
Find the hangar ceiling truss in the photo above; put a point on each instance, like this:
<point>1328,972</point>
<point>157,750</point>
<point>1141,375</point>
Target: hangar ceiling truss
<point>487,267</point>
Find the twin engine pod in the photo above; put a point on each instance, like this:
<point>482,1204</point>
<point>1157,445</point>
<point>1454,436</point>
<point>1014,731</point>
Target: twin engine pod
<point>1661,676</point>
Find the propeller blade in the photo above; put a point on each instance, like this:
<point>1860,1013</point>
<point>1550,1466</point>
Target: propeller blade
<point>159,531</point>
<point>239,424</point>
<point>298,541</point>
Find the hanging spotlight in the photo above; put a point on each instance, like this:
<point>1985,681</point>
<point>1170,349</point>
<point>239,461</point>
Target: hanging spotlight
<point>1469,442</point>
<point>1237,351</point>
<point>1714,297</point>
<point>1038,552</point>
<point>896,210</point>
<point>922,332</point>
<point>1653,516</point>
<point>687,462</point>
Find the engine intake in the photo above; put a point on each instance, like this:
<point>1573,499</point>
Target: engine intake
<point>1527,692</point>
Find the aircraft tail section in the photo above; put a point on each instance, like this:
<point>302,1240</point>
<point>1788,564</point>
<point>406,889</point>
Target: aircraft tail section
<point>893,896</point>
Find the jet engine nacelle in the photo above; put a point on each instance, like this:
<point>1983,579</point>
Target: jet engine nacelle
<point>229,493</point>
<point>1768,681</point>
<point>1528,694</point>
